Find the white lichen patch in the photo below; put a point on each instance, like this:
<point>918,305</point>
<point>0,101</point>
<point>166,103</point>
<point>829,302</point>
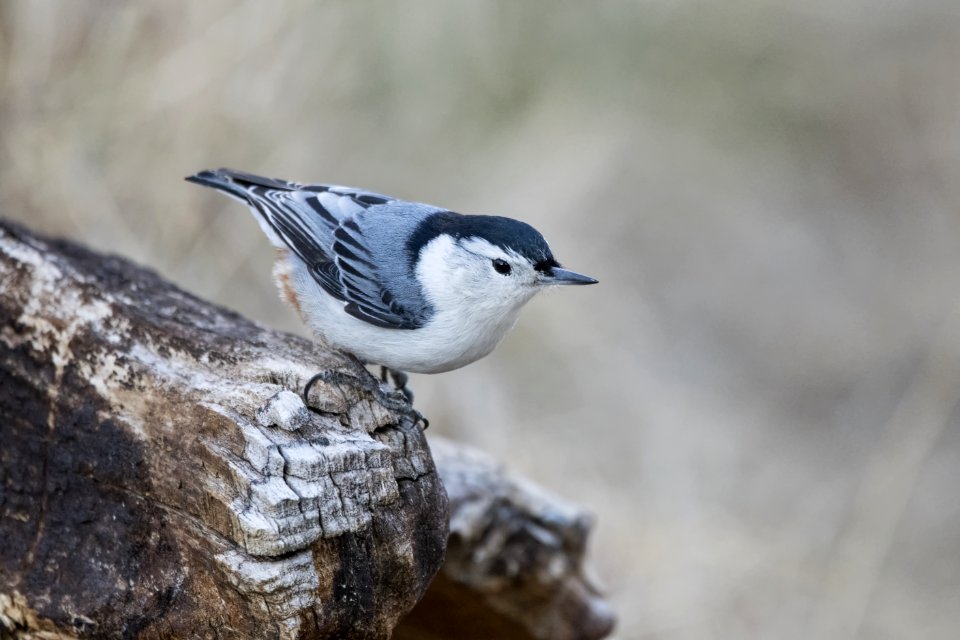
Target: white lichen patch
<point>48,300</point>
<point>25,254</point>
<point>104,374</point>
<point>179,367</point>
<point>284,409</point>
<point>283,587</point>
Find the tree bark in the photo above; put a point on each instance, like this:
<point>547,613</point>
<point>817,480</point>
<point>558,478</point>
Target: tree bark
<point>160,477</point>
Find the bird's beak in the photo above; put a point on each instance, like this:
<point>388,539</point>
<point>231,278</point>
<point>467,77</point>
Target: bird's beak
<point>565,276</point>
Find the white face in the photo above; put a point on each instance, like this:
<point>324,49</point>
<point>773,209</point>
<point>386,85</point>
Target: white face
<point>473,272</point>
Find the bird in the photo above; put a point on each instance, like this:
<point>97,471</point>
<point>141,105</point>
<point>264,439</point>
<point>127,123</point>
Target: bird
<point>411,287</point>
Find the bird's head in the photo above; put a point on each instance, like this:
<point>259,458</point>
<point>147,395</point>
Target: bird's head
<point>494,261</point>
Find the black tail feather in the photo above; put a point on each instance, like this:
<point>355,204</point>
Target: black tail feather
<point>237,182</point>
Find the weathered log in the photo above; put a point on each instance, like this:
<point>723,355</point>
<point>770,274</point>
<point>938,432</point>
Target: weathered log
<point>515,561</point>
<point>159,478</point>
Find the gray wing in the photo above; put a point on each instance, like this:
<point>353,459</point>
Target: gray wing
<point>324,225</point>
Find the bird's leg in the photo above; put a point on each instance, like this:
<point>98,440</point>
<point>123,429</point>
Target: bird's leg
<point>400,403</point>
<point>400,380</point>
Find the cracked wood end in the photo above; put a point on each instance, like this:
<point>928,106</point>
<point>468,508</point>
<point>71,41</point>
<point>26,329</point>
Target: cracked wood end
<point>160,477</point>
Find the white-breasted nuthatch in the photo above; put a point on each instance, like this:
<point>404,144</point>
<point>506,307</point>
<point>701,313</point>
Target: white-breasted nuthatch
<point>409,286</point>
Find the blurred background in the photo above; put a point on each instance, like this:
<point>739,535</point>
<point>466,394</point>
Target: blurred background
<point>759,402</point>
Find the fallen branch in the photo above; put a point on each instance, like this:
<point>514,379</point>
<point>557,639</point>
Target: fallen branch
<point>515,565</point>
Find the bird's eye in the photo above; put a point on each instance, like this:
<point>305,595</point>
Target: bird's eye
<point>501,266</point>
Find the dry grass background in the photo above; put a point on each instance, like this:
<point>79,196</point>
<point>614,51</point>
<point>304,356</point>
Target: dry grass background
<point>759,401</point>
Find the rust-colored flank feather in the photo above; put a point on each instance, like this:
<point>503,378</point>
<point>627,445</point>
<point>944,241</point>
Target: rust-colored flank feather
<point>281,276</point>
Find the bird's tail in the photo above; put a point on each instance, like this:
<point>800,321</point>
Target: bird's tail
<point>237,183</point>
<point>245,187</point>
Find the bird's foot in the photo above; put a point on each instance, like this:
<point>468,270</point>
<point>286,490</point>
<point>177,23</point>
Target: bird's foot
<point>400,380</point>
<point>398,400</point>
